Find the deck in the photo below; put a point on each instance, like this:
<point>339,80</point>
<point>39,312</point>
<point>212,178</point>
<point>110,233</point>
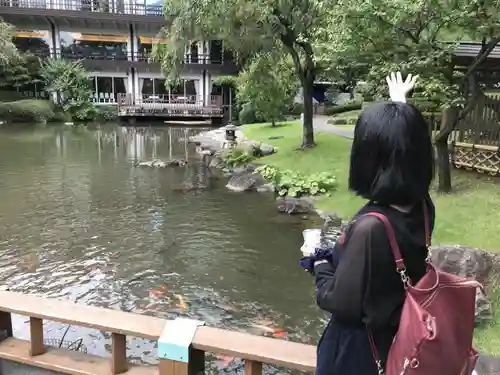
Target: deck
<point>170,107</point>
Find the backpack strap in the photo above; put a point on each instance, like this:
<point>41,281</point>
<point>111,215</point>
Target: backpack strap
<point>398,258</point>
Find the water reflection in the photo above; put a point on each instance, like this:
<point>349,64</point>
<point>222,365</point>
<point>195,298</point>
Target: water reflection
<point>78,221</point>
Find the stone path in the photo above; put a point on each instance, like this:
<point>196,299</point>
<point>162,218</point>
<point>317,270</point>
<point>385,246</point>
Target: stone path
<point>320,124</point>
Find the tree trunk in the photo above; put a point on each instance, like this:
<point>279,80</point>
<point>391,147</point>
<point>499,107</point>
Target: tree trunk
<point>307,126</point>
<point>448,122</point>
<point>443,164</point>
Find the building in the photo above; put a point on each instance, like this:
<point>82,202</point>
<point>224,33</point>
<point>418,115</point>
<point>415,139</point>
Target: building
<point>114,39</point>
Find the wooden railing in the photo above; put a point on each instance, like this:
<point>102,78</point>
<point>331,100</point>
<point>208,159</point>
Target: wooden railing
<point>161,100</point>
<point>254,350</point>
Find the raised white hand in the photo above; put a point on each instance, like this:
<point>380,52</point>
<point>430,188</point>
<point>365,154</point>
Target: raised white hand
<point>398,89</point>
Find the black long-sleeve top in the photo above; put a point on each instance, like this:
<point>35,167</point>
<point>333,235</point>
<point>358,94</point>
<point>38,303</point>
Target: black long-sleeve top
<point>364,287</point>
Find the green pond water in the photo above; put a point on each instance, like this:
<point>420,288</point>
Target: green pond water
<point>79,221</point>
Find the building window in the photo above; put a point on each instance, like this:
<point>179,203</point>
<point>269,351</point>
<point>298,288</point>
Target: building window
<point>187,89</point>
<point>93,46</point>
<point>107,89</point>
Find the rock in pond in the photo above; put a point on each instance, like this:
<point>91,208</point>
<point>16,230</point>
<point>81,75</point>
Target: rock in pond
<point>292,205</point>
<point>163,164</point>
<point>244,181</point>
<point>266,188</point>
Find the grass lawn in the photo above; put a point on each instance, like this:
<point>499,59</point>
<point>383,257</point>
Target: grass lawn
<point>468,216</point>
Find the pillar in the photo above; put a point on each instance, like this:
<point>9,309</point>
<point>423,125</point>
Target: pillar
<point>177,357</point>
<point>208,87</point>
<point>130,43</point>
<point>207,51</point>
<point>57,40</point>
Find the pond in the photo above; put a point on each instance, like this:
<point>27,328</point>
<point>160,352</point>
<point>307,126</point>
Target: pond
<point>79,221</point>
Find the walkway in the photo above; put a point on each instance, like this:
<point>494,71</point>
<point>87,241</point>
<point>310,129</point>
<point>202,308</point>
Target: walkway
<point>320,124</point>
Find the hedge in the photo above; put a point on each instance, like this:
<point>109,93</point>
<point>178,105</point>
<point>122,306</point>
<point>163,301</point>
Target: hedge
<point>29,110</point>
<point>330,111</point>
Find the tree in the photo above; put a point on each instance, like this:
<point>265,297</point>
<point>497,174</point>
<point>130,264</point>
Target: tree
<point>269,84</point>
<point>70,81</point>
<point>248,27</point>
<point>8,50</point>
<point>20,72</point>
<point>420,36</point>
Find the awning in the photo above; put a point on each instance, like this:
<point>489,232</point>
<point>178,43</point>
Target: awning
<point>30,34</point>
<point>149,40</point>
<point>99,38</point>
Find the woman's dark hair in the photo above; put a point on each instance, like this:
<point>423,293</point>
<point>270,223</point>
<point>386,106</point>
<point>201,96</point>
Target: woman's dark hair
<point>392,158</point>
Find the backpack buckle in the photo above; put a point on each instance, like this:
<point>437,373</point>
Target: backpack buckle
<point>380,369</point>
<point>404,277</point>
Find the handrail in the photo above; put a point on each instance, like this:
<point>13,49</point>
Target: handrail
<point>255,350</point>
<point>105,6</point>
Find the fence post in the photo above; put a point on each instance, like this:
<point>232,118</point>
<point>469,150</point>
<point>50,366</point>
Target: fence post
<point>5,325</point>
<point>177,356</point>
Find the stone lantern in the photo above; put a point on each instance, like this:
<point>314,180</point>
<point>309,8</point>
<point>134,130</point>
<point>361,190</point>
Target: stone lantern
<point>230,130</point>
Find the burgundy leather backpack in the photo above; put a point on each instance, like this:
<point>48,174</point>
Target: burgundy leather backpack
<point>437,320</point>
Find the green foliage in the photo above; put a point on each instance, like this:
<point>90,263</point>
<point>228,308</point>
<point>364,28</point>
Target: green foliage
<point>238,156</point>
<point>106,113</point>
<point>269,84</point>
<point>225,81</point>
<point>250,27</point>
<point>330,111</point>
<point>295,109</point>
<point>295,184</point>
<point>70,81</point>
<point>248,115</point>
<point>408,36</point>
<point>8,50</point>
<point>19,72</point>
<point>31,110</point>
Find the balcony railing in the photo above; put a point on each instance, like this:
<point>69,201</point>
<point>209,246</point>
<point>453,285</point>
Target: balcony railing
<point>170,105</point>
<point>189,58</point>
<point>93,54</point>
<point>98,6</point>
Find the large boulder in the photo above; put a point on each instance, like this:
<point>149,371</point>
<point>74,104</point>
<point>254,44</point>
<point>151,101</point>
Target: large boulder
<point>470,262</point>
<point>487,365</point>
<point>244,181</point>
<point>291,205</point>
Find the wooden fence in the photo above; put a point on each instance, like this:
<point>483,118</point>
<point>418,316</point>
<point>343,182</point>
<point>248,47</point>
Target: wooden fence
<point>474,144</point>
<point>254,350</point>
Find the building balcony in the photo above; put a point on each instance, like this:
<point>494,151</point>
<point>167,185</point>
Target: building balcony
<point>88,6</point>
<point>170,105</point>
<point>109,15</point>
<point>193,63</point>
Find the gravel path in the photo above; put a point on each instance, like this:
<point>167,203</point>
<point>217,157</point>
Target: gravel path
<point>320,124</point>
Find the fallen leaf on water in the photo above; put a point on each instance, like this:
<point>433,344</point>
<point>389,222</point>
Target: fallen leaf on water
<point>182,303</point>
<point>226,360</point>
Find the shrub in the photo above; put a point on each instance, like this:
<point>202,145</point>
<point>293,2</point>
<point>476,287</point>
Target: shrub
<point>238,156</point>
<point>295,184</point>
<point>247,115</point>
<point>296,109</point>
<point>107,113</point>
<point>29,110</point>
<point>330,111</point>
